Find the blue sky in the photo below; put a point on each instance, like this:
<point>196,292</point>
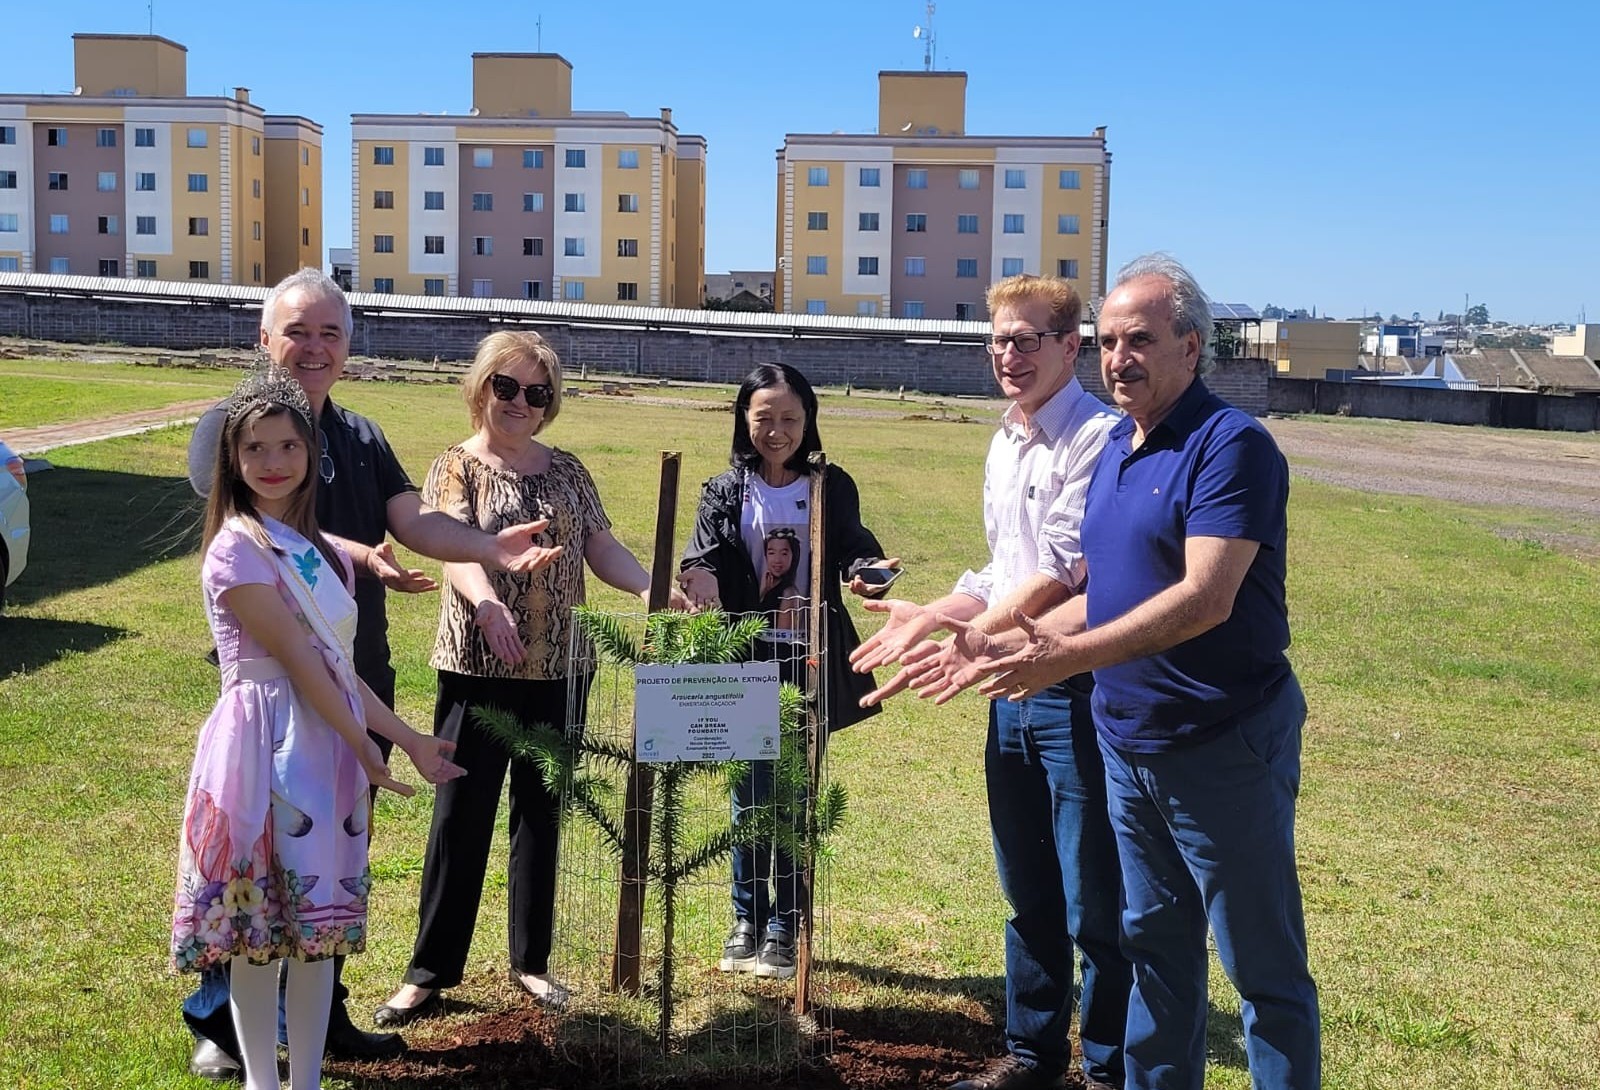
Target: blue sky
<point>1351,156</point>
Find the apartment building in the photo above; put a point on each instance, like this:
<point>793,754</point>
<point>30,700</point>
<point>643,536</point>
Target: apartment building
<point>917,219</point>
<point>131,176</point>
<point>1304,348</point>
<point>527,198</point>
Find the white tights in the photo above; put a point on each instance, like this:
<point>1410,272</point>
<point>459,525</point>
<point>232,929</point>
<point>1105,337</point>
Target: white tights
<point>253,998</point>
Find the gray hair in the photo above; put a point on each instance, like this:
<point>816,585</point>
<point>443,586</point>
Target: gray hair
<point>1191,310</point>
<point>316,284</point>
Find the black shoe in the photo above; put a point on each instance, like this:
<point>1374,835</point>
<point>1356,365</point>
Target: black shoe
<point>211,1062</point>
<point>776,958</point>
<point>346,1042</point>
<point>739,951</point>
<point>1010,1073</point>
<point>387,1016</point>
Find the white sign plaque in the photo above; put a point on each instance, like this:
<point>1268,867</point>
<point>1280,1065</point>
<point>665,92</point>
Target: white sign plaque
<point>726,712</point>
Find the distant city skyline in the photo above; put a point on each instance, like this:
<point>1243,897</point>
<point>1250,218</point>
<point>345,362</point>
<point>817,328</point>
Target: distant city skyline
<point>1364,157</point>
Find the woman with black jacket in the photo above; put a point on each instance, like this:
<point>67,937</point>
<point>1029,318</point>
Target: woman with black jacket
<point>749,554</point>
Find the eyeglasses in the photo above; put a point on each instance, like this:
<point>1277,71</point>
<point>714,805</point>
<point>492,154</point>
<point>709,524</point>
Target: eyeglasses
<point>997,343</point>
<point>325,463</point>
<point>536,394</point>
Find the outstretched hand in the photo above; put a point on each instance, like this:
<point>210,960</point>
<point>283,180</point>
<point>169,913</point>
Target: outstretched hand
<point>377,770</point>
<point>700,588</point>
<point>514,551</point>
<point>964,658</point>
<point>431,756</point>
<point>386,567</point>
<point>907,625</point>
<point>1046,658</point>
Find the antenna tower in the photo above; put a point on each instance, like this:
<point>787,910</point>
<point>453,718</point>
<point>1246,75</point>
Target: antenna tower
<point>926,34</point>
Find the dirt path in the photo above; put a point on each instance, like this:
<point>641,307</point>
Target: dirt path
<point>73,432</point>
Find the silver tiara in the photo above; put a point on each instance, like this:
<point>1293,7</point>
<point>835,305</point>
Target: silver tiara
<point>271,387</point>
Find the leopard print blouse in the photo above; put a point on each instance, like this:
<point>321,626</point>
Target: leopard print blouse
<point>470,490</point>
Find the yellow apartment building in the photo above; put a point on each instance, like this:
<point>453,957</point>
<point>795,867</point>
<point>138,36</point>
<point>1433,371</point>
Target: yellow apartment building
<point>1304,348</point>
<point>525,197</point>
<point>131,176</point>
<point>917,219</point>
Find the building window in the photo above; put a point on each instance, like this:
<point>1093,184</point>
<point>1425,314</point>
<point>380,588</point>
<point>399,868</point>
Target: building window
<point>255,272</point>
<point>56,138</point>
<point>8,179</point>
<point>199,183</point>
<point>577,159</point>
<point>60,266</point>
<point>255,231</point>
<point>383,244</point>
<point>533,202</point>
<point>627,291</point>
<point>572,247</point>
<point>8,223</point>
<point>867,221</point>
<point>433,157</point>
<point>305,236</point>
<point>533,247</point>
<point>145,181</point>
<point>628,159</point>
<point>817,265</point>
<point>572,289</point>
<point>1068,179</point>
<point>910,309</point>
<point>433,285</point>
<point>1067,268</point>
<point>144,269</point>
<point>1016,179</point>
<point>107,225</point>
<point>967,224</point>
<point>533,289</point>
<point>532,159</point>
<point>916,222</point>
<point>627,202</point>
<point>572,202</point>
<point>255,149</point>
<point>144,225</point>
<point>966,312</point>
<point>917,179</point>
<point>109,267</point>
<point>57,180</point>
<point>10,264</point>
<point>483,158</point>
<point>869,177</point>
<point>916,266</point>
<point>866,308</point>
<point>8,134</point>
<point>255,188</point>
<point>105,138</point>
<point>433,244</point>
<point>1066,225</point>
<point>483,245</point>
<point>383,285</point>
<point>816,221</point>
<point>305,197</point>
<point>383,198</point>
<point>966,267</point>
<point>967,179</point>
<point>866,266</point>
<point>59,224</point>
<point>433,200</point>
<point>627,247</point>
<point>1011,266</point>
<point>198,138</point>
<point>483,202</point>
<point>199,270</point>
<point>199,225</point>
<point>144,138</point>
<point>482,289</point>
<point>816,176</point>
<point>1013,223</point>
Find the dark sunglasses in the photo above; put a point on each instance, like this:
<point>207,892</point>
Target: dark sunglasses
<point>536,394</point>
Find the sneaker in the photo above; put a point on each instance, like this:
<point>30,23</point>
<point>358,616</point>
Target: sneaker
<point>776,959</point>
<point>739,950</point>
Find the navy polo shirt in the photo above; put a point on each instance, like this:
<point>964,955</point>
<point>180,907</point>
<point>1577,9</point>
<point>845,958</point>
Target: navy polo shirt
<point>1207,470</point>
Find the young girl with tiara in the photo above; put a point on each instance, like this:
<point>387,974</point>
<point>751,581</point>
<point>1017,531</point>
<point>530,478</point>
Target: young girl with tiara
<point>273,860</point>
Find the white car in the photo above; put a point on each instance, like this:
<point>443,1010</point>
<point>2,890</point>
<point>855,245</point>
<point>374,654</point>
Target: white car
<point>14,530</point>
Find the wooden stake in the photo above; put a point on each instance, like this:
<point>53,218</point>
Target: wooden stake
<point>816,733</point>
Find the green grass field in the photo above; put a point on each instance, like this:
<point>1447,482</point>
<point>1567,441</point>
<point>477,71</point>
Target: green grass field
<point>1448,831</point>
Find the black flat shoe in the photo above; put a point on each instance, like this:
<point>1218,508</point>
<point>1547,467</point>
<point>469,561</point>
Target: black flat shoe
<point>555,999</point>
<point>210,1062</point>
<point>394,1017</point>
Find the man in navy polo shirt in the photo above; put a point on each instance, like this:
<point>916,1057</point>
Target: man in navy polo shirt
<point>1197,711</point>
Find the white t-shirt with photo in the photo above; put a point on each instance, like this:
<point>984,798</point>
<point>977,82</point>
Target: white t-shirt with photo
<point>774,524</point>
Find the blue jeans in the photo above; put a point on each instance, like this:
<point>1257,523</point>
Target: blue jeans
<point>1206,835</point>
<point>1057,862</point>
<point>757,865</point>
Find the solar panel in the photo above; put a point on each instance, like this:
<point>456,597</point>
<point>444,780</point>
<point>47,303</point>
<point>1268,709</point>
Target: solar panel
<point>1234,312</point>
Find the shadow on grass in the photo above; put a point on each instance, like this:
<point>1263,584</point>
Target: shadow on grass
<point>92,527</point>
<point>28,643</point>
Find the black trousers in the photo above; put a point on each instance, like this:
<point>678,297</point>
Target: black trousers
<point>464,813</point>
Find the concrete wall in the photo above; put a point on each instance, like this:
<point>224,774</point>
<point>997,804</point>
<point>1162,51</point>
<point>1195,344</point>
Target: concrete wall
<point>884,363</point>
<point>1488,408</point>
